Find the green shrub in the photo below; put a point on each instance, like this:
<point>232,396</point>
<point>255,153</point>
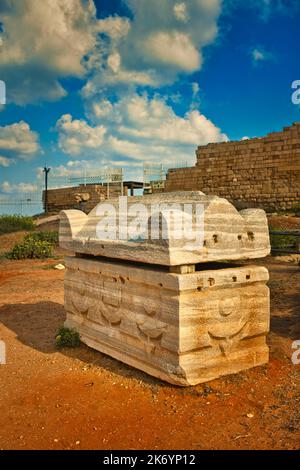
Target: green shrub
<point>30,248</point>
<point>296,210</point>
<point>67,337</point>
<point>34,245</point>
<point>15,223</point>
<point>282,241</point>
<point>49,237</point>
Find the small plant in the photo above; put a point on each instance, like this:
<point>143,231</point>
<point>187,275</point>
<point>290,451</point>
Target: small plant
<point>49,237</point>
<point>296,210</point>
<point>34,245</point>
<point>282,241</point>
<point>68,338</point>
<point>30,249</point>
<point>15,223</point>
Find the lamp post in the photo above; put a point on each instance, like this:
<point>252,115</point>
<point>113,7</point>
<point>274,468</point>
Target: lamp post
<point>46,171</point>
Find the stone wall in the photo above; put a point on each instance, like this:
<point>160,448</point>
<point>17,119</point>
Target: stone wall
<point>82,197</point>
<point>260,172</point>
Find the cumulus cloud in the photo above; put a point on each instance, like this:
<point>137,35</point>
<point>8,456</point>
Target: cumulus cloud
<point>76,135</point>
<point>180,11</point>
<point>153,119</point>
<point>114,26</point>
<point>174,49</point>
<point>9,188</point>
<point>162,40</point>
<point>5,161</point>
<point>43,41</point>
<point>137,128</point>
<point>17,141</point>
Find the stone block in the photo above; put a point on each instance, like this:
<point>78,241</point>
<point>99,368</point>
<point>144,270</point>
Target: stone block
<point>227,233</point>
<point>182,328</point>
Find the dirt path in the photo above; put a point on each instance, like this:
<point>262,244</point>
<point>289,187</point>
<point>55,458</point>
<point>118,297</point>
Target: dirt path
<point>81,399</point>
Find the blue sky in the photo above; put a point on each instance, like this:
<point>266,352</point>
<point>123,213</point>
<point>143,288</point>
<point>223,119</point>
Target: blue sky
<point>116,83</point>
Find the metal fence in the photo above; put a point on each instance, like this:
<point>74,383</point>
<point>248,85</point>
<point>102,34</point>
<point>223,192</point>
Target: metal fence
<point>31,202</point>
<point>158,171</point>
<point>24,203</point>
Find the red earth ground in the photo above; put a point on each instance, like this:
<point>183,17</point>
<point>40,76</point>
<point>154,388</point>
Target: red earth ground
<point>82,399</point>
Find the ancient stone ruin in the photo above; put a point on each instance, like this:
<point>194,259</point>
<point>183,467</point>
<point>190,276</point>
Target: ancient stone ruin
<point>171,306</point>
<point>261,172</point>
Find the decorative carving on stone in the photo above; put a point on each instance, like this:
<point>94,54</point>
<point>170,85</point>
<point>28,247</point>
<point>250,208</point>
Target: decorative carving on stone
<point>177,327</point>
<point>182,322</point>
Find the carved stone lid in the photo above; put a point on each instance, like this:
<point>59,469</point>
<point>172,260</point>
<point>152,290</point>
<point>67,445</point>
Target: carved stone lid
<point>171,229</point>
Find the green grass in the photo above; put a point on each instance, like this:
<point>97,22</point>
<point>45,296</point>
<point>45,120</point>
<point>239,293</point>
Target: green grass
<point>296,210</point>
<point>34,245</point>
<point>15,223</point>
<point>30,249</point>
<point>67,337</point>
<point>282,241</point>
<point>49,237</point>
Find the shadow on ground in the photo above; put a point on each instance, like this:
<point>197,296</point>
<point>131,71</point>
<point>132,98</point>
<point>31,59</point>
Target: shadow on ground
<point>285,325</point>
<point>36,326</point>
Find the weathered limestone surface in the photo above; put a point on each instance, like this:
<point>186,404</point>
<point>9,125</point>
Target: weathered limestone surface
<point>228,234</point>
<point>182,328</point>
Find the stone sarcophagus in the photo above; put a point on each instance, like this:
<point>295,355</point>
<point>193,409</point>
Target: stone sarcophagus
<point>169,305</point>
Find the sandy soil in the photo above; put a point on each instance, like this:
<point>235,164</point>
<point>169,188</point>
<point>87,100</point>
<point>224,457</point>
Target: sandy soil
<point>284,222</point>
<point>82,399</point>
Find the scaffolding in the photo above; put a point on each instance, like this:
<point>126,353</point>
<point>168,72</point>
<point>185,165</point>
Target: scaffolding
<point>154,174</point>
<point>104,177</point>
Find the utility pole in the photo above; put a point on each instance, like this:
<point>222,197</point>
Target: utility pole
<point>46,171</point>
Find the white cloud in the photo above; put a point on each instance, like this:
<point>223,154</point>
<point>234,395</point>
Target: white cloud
<point>9,188</point>
<point>114,62</point>
<point>135,129</point>
<point>102,108</point>
<point>43,41</point>
<point>61,174</point>
<point>76,163</point>
<point>114,26</point>
<point>180,11</point>
<point>162,40</point>
<point>5,161</point>
<point>260,55</point>
<point>119,80</point>
<point>140,117</point>
<point>195,89</point>
<point>196,100</point>
<point>18,141</point>
<point>193,128</point>
<point>174,49</point>
<point>76,136</point>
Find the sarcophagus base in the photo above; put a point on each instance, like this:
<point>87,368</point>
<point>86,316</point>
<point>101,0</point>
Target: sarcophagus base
<point>182,328</point>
